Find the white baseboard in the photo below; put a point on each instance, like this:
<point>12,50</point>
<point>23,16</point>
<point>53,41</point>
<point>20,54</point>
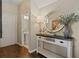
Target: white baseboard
<point>27,48</point>
<point>19,44</point>
<point>22,45</point>
<point>7,45</point>
<point>32,51</point>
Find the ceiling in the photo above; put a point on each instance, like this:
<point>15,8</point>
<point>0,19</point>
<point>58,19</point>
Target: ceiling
<point>38,3</point>
<point>43,3</point>
<point>15,2</point>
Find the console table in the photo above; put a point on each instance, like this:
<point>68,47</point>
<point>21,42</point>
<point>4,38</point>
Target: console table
<point>54,46</point>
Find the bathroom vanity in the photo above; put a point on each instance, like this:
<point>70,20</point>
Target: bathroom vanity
<point>54,46</point>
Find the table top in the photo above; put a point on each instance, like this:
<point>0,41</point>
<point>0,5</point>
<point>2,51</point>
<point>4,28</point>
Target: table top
<point>55,36</point>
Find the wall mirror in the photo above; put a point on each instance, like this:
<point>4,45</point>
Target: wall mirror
<point>53,24</point>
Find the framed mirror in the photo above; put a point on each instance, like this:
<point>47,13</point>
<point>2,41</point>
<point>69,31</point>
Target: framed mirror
<point>53,25</point>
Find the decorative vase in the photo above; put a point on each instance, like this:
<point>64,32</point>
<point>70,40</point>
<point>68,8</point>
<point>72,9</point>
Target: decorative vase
<point>67,30</point>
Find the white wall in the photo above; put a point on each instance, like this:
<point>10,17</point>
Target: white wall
<point>9,17</point>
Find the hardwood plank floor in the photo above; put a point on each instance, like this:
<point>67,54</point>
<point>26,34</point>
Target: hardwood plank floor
<point>16,51</point>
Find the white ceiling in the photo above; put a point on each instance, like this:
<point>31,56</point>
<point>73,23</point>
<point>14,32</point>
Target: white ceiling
<point>15,2</point>
<point>38,3</point>
<point>43,3</point>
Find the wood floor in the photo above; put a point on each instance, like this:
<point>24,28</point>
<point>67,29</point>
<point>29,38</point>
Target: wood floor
<point>16,51</point>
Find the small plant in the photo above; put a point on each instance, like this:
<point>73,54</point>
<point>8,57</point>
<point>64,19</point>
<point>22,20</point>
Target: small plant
<point>68,19</point>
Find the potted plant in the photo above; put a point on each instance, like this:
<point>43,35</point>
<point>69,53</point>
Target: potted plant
<point>67,21</point>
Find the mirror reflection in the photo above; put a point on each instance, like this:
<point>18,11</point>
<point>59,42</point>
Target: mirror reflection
<point>53,25</point>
